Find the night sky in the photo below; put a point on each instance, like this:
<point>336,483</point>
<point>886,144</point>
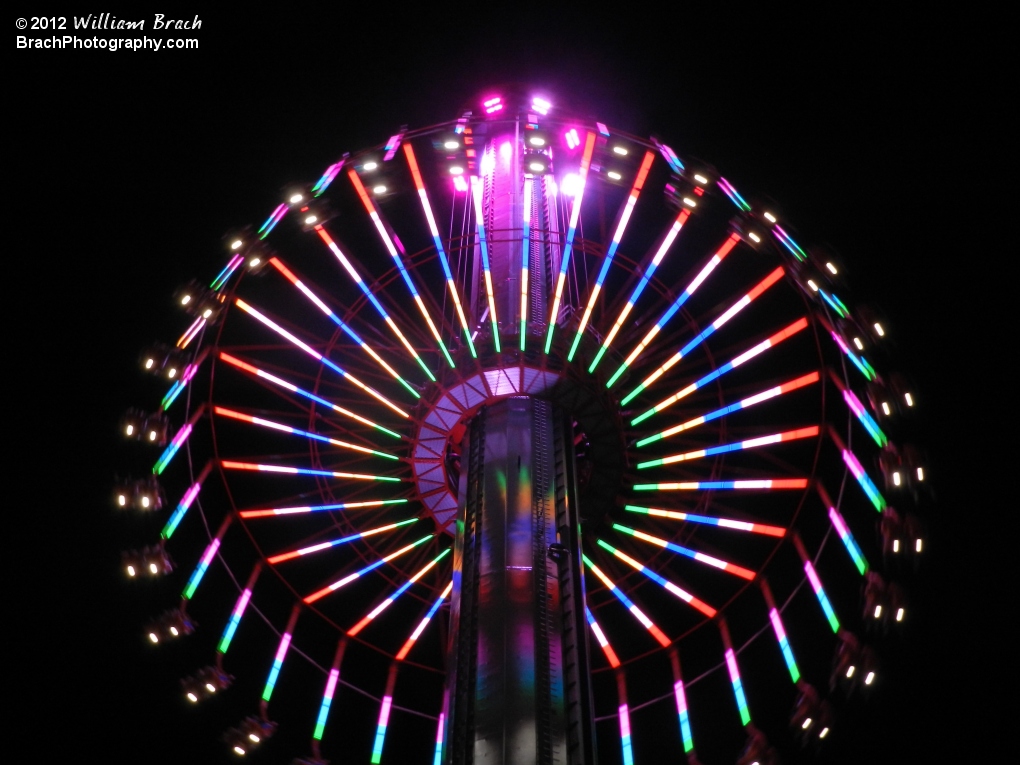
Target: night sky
<point>879,136</point>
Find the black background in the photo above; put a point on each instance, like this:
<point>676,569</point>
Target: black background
<point>881,135</point>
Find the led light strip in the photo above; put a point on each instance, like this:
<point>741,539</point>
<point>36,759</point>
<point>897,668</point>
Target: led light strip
<point>681,703</point>
<point>427,207</point>
<point>600,636</point>
<point>730,568</point>
<point>384,716</point>
<point>274,217</point>
<point>483,245</point>
<point>295,431</point>
<point>733,310</point>
<point>171,450</point>
<point>751,443</point>
<point>334,542</point>
<point>238,612</point>
<point>351,577</point>
<point>423,623</point>
<point>816,584</point>
<point>788,243</point>
<point>327,697</point>
<point>402,589</point>
<point>864,418</point>
<point>233,465</point>
<point>301,392</point>
<point>628,604</point>
<point>182,382</point>
<point>865,482</point>
<point>281,653</point>
<point>316,355</point>
<point>727,523</point>
<point>734,195</point>
<point>336,320</point>
<point>206,559</point>
<point>843,530</point>
<point>761,347</point>
<point>636,293</point>
<point>232,264</point>
<point>190,333</point>
<point>349,268</point>
<point>858,361</point>
<point>182,507</point>
<point>525,257</point>
<point>373,213</point>
<point>760,484</point>
<point>621,227</point>
<point>575,213</point>
<point>709,267</point>
<point>327,178</point>
<point>319,508</point>
<point>779,390</point>
<point>669,586</point>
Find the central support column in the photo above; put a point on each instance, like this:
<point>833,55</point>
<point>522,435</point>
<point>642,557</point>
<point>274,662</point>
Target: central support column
<point>512,711</point>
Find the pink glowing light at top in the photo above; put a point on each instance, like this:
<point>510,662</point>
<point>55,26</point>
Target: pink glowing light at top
<point>492,105</point>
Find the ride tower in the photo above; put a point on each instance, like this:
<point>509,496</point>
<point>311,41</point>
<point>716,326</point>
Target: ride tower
<point>517,689</point>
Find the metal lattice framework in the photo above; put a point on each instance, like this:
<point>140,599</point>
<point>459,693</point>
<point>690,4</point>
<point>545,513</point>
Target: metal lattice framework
<point>728,432</point>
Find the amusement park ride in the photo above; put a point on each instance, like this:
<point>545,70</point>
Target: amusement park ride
<point>520,439</point>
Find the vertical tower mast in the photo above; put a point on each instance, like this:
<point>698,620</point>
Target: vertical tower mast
<point>517,688</point>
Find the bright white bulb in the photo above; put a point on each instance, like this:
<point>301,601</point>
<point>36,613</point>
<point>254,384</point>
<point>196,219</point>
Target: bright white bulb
<point>812,285</point>
<point>210,687</point>
<point>770,217</point>
<point>152,435</point>
<point>295,198</point>
<point>536,167</point>
<point>153,637</point>
<point>236,244</point>
<point>254,262</point>
<point>878,330</point>
<point>850,671</point>
<point>896,478</point>
<point>824,733</point>
<point>149,363</point>
<point>806,724</point>
<point>192,698</point>
<point>878,611</point>
<point>130,430</point>
<point>917,546</point>
<point>536,140</point>
<point>456,170</point>
<point>870,678</point>
<point>171,372</point>
<point>145,501</point>
<point>174,632</point>
<point>207,313</point>
<point>451,144</point>
<point>899,614</point>
<point>310,219</point>
<point>186,299</point>
<point>153,568</point>
<point>254,738</point>
<point>690,202</point>
<point>380,189</point>
<point>832,268</point>
<point>885,408</point>
<point>239,750</point>
<point>858,343</point>
<point>571,185</point>
<point>909,399</point>
<point>121,500</point>
<point>896,546</point>
<point>754,237</point>
<point>700,178</point>
<point>920,474</point>
<point>620,150</point>
<point>614,175</point>
<point>130,570</point>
